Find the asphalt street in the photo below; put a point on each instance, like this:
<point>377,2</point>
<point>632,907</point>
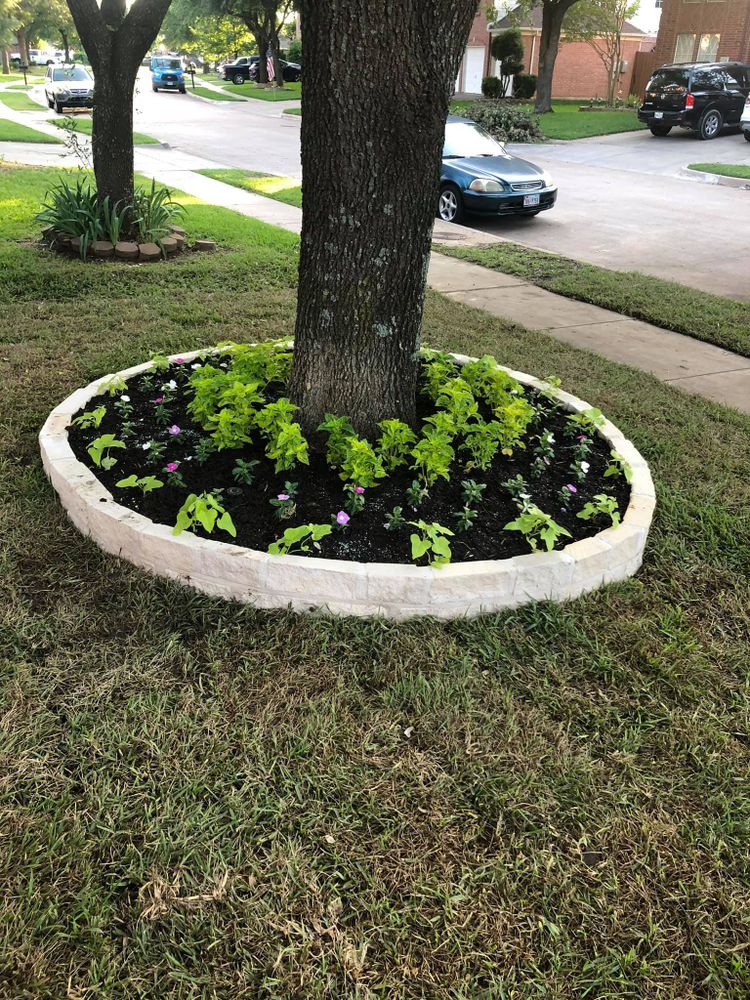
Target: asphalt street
<point>621,203</point>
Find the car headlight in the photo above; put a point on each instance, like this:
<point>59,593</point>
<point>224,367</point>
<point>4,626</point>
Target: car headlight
<point>486,185</point>
<point>546,179</point>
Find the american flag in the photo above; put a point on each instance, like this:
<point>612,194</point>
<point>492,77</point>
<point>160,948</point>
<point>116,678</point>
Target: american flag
<point>269,65</point>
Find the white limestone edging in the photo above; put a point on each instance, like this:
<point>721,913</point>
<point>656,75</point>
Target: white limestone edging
<point>342,587</point>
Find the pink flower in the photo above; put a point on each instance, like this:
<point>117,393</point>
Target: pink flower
<point>581,437</point>
<point>571,488</point>
<point>159,399</point>
<point>174,429</point>
<point>179,361</point>
<point>283,496</point>
<point>342,517</point>
<point>172,466</point>
<point>359,489</point>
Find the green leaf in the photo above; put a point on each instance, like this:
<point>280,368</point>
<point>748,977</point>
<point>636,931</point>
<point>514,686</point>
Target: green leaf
<point>128,481</point>
<point>226,523</point>
<point>419,546</point>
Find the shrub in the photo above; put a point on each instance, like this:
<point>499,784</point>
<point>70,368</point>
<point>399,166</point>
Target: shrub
<point>294,52</point>
<point>507,49</point>
<point>524,86</point>
<point>492,87</point>
<point>507,124</point>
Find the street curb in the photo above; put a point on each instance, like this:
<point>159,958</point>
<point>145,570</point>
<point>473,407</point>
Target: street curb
<point>342,587</point>
<point>706,177</point>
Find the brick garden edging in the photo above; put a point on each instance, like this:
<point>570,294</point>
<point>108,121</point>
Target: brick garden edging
<point>348,588</point>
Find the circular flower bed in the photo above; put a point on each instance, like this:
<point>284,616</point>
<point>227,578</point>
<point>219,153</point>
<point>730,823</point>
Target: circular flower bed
<point>507,490</point>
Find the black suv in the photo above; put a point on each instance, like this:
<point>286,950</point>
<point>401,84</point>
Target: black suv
<point>702,97</point>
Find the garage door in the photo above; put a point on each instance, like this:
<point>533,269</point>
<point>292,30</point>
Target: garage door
<point>473,69</point>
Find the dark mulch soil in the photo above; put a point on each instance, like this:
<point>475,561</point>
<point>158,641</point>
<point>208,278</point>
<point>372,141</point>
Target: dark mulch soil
<point>320,494</point>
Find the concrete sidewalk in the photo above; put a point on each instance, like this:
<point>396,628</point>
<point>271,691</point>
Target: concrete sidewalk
<point>676,359</point>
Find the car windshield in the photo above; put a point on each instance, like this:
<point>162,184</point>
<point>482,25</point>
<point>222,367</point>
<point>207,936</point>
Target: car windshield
<point>71,73</point>
<point>669,81</point>
<point>167,63</point>
<point>467,139</point>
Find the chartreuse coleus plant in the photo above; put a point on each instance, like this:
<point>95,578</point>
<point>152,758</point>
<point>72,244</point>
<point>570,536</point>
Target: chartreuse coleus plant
<point>99,451</point>
<point>536,527</point>
<point>146,484</point>
<point>206,510</point>
<point>303,538</point>
<point>430,540</point>
<point>601,506</point>
<point>91,418</point>
<point>395,441</point>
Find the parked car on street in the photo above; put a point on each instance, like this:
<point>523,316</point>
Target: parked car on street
<point>745,120</point>
<point>292,72</point>
<point>238,71</point>
<point>701,97</point>
<point>167,73</point>
<point>479,176</point>
<point>68,87</point>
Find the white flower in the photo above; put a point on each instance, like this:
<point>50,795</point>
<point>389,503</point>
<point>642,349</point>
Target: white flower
<point>196,366</point>
<point>146,446</point>
<point>170,385</point>
<point>585,467</point>
<point>125,399</point>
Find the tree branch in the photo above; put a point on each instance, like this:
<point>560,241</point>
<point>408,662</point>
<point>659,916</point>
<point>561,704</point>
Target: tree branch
<point>141,26</point>
<point>90,27</point>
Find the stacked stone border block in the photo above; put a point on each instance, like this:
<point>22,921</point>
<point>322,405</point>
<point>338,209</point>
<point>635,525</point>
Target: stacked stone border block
<point>341,587</point>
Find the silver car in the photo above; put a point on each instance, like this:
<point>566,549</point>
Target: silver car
<point>745,120</point>
<point>68,87</point>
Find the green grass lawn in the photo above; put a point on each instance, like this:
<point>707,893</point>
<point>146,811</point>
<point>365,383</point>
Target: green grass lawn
<point>13,132</point>
<point>713,318</point>
<point>292,111</point>
<point>83,124</point>
<point>280,188</point>
<point>289,92</point>
<point>567,122</point>
<point>19,101</point>
<point>212,95</point>
<point>204,800</point>
<point>724,169</point>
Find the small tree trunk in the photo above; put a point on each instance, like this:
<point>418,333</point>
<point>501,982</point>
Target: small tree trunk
<point>112,136</point>
<point>372,138</point>
<point>278,73</point>
<point>262,39</point>
<point>549,43</point>
<point>66,44</point>
<point>6,62</point>
<point>23,45</point>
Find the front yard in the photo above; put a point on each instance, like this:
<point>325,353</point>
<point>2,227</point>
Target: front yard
<point>203,800</point>
<point>568,122</point>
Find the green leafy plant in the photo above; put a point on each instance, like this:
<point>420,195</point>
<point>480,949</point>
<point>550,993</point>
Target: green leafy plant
<point>115,219</point>
<point>285,503</point>
<point>360,463</point>
<point>355,498</point>
<point>287,446</point>
<point>395,441</point>
<point>619,466</point>
<point>437,370</point>
<point>146,484</point>
<point>490,383</point>
<point>300,539</point>
<point>394,520</point>
<point>432,456</point>
<point>204,449</point>
<point>587,420</point>
<point>100,448</point>
<point>114,386</point>
<point>416,493</point>
<point>273,416</point>
<point>465,518</point>
<point>204,510</point>
<point>536,526</point>
<point>472,491</point>
<point>91,418</point>
<point>244,471</point>
<point>513,418</point>
<point>73,209</point>
<point>430,540</point>
<point>457,399</point>
<point>155,449</point>
<point>154,213</point>
<point>160,363</point>
<point>602,505</point>
<point>338,431</point>
<point>123,406</point>
<point>481,441</point>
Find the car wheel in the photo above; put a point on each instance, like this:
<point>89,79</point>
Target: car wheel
<point>450,205</point>
<point>710,125</point>
<point>154,88</point>
<point>183,90</point>
<point>50,103</point>
<point>747,136</point>
<point>660,130</point>
<point>58,107</point>
<point>238,78</point>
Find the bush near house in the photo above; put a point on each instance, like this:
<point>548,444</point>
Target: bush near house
<point>505,122</point>
<point>524,86</point>
<point>492,87</point>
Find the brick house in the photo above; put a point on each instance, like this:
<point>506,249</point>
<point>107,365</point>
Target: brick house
<point>579,72</point>
<point>704,31</point>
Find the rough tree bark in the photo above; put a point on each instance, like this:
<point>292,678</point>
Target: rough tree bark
<point>6,62</point>
<point>553,12</point>
<point>23,45</point>
<point>372,137</point>
<point>115,40</point>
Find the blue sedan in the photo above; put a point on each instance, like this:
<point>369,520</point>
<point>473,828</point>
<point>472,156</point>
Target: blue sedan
<point>478,176</point>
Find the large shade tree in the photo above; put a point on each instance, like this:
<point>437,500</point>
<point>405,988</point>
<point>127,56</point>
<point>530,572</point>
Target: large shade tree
<point>553,15</point>
<point>116,36</point>
<point>372,135</point>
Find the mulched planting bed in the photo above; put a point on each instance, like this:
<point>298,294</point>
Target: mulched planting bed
<point>320,492</point>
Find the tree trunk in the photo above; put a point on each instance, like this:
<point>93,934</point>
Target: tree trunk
<point>66,44</point>
<point>112,136</point>
<point>262,39</point>
<point>372,138</point>
<point>6,62</point>
<point>278,73</point>
<point>23,45</point>
<point>549,42</point>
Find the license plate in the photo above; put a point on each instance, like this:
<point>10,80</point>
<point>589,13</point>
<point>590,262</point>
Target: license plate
<point>530,199</point>
<point>658,114</point>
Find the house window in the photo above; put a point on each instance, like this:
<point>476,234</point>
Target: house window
<point>658,3</point>
<point>708,46</point>
<point>683,50</point>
